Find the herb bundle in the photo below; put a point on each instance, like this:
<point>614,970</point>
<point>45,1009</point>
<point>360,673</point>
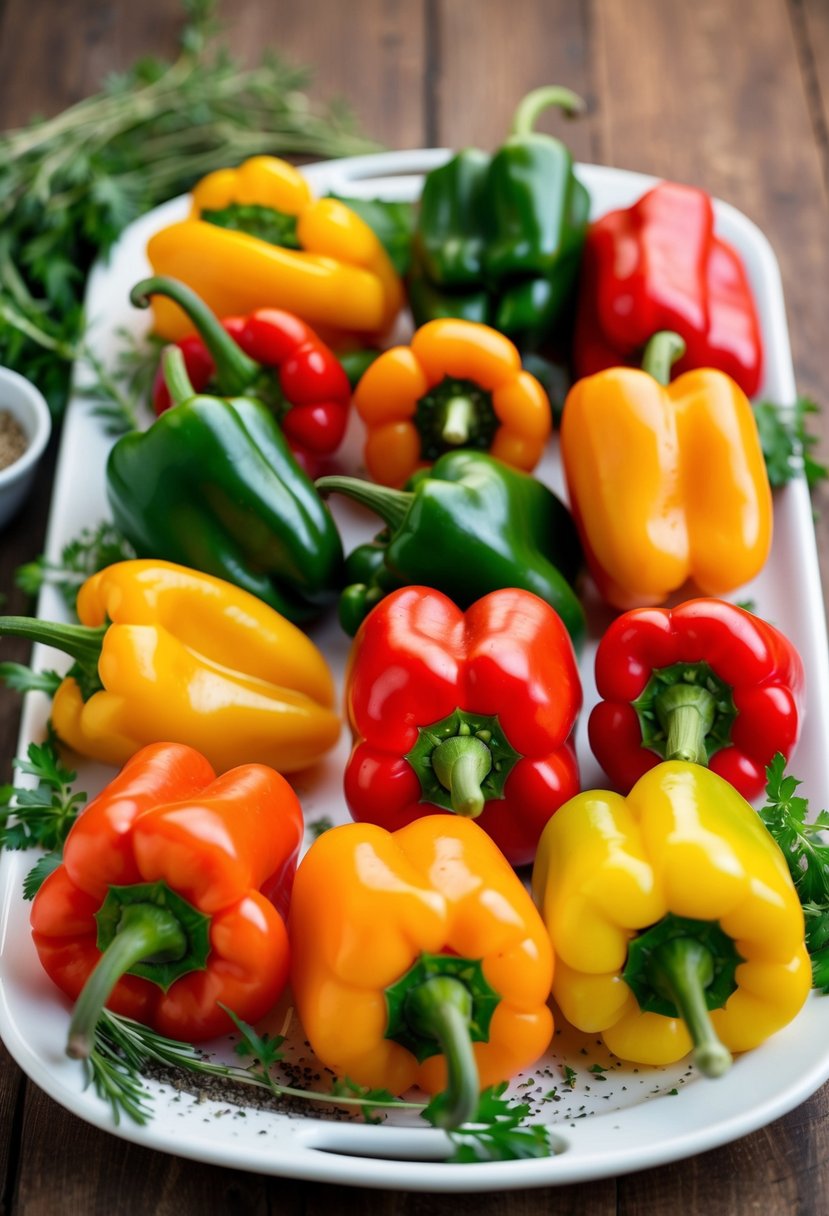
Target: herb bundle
<point>69,185</point>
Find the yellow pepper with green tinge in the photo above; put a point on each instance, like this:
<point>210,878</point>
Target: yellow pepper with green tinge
<point>674,919</point>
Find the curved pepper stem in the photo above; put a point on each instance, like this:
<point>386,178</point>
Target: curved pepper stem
<point>686,713</point>
<point>525,117</point>
<point>682,969</point>
<point>175,375</point>
<point>391,505</point>
<point>81,642</point>
<point>145,931</point>
<point>661,353</point>
<point>460,765</point>
<point>441,1009</point>
<point>235,371</point>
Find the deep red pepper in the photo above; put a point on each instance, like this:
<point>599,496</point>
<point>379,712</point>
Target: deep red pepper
<point>273,355</point>
<point>471,712</point>
<point>707,682</point>
<point>658,265</point>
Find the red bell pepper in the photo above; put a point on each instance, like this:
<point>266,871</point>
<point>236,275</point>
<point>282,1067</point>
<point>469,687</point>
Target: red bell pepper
<point>706,682</point>
<point>467,712</point>
<point>271,354</point>
<point>658,266</point>
<point>171,897</point>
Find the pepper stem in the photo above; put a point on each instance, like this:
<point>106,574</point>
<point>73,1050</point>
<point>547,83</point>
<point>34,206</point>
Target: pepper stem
<point>144,932</point>
<point>524,119</point>
<point>460,765</point>
<point>235,371</point>
<point>391,505</point>
<point>175,375</point>
<point>80,642</point>
<point>686,713</point>
<point>661,353</point>
<point>441,1009</point>
<point>457,421</point>
<point>682,969</point>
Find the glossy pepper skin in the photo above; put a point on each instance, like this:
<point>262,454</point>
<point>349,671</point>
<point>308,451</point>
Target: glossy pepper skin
<point>659,265</point>
<point>498,239</point>
<point>478,720</point>
<point>326,264</point>
<point>271,355</point>
<point>467,526</point>
<point>189,875</point>
<point>213,484</point>
<point>166,653</point>
<point>705,681</point>
<point>457,385</point>
<point>690,500</point>
<point>368,906</point>
<point>685,858</point>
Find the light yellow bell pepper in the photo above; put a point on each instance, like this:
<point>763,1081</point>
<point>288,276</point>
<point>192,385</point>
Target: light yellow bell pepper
<point>674,919</point>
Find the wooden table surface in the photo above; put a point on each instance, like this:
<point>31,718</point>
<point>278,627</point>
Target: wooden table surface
<point>732,95</point>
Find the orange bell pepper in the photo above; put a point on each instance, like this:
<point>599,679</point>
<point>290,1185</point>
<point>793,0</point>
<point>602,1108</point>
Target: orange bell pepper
<point>458,385</point>
<point>667,482</point>
<point>328,266</point>
<point>418,956</point>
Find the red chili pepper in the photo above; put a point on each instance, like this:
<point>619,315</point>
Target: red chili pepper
<point>467,712</point>
<point>270,354</point>
<point>658,265</point>
<point>706,682</point>
<point>171,897</point>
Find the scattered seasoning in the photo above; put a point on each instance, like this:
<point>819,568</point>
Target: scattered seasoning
<point>13,439</point>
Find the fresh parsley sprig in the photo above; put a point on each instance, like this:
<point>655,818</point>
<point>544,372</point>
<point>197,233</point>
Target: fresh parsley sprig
<point>806,851</point>
<point>788,446</point>
<point>92,550</point>
<point>40,817</point>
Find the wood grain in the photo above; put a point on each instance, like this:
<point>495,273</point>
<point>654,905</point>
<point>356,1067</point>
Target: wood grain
<point>733,97</point>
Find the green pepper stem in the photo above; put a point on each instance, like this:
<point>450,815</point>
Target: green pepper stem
<point>686,713</point>
<point>524,119</point>
<point>458,420</point>
<point>661,353</point>
<point>145,932</point>
<point>681,969</point>
<point>81,642</point>
<point>460,764</point>
<point>441,1009</point>
<point>235,371</point>
<point>391,505</point>
<point>175,375</point>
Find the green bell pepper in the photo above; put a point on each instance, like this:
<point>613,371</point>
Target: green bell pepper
<point>499,239</point>
<point>213,485</point>
<point>467,526</point>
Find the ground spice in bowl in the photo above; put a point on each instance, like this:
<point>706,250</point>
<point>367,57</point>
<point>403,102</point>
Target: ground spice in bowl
<point>13,439</point>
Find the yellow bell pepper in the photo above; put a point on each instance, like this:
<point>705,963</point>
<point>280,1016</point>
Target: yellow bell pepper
<point>674,919</point>
<point>459,384</point>
<point>336,276</point>
<point>408,945</point>
<point>666,482</point>
<point>165,654</point>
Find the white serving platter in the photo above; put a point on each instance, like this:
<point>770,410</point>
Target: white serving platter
<point>603,1124</point>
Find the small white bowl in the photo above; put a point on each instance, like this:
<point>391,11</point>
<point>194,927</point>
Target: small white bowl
<point>28,405</point>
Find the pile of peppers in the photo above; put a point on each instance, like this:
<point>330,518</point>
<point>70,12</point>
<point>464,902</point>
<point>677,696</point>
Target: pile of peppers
<point>662,914</point>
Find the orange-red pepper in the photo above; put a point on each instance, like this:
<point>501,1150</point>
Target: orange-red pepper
<point>171,896</point>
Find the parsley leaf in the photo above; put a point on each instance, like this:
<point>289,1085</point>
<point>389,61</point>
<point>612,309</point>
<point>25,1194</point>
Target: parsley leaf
<point>40,816</point>
<point>787,443</point>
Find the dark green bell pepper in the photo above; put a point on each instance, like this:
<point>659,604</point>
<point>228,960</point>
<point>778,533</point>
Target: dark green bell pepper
<point>467,526</point>
<point>214,485</point>
<point>499,239</point>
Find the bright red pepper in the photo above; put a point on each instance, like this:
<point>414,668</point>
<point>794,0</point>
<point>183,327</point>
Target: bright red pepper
<point>271,354</point>
<point>658,265</point>
<point>467,712</point>
<point>706,682</point>
<point>171,896</point>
